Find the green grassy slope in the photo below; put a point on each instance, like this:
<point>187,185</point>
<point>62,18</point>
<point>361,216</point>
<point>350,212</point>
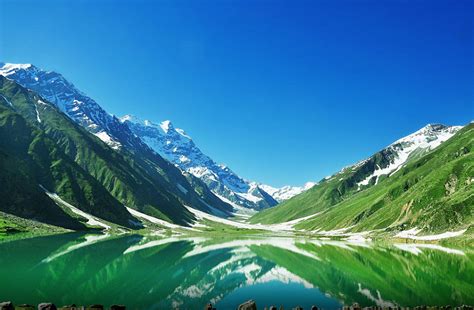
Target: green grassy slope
<point>434,192</point>
<point>77,165</point>
<point>328,191</point>
<point>29,158</point>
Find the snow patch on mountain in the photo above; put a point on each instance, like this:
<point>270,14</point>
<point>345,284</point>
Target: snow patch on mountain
<point>104,136</point>
<point>91,220</point>
<point>9,68</point>
<point>7,101</point>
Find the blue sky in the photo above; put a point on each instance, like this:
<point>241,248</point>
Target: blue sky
<point>282,92</point>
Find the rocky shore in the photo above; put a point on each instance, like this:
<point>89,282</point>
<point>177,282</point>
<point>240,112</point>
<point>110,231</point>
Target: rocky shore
<point>248,305</point>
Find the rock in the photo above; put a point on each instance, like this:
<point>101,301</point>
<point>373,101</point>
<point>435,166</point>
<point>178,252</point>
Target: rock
<point>69,307</point>
<point>209,307</point>
<point>450,187</point>
<point>25,307</point>
<point>248,305</point>
<point>297,308</point>
<point>95,307</point>
<point>46,306</point>
<point>7,305</point>
<point>355,306</point>
<point>117,307</point>
<point>273,308</point>
<point>314,308</point>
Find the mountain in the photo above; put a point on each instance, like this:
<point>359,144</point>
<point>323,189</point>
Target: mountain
<point>60,157</point>
<point>430,194</point>
<point>363,175</point>
<point>179,148</point>
<point>148,175</point>
<point>286,192</point>
<point>32,159</point>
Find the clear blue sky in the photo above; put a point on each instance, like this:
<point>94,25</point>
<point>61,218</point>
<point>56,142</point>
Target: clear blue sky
<point>282,92</point>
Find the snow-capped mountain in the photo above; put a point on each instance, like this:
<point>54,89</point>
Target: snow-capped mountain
<point>286,192</point>
<point>86,112</point>
<point>82,109</point>
<point>392,158</point>
<point>179,148</point>
<point>169,142</point>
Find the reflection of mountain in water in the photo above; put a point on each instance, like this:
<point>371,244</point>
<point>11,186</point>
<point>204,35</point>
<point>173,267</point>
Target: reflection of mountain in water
<point>148,274</point>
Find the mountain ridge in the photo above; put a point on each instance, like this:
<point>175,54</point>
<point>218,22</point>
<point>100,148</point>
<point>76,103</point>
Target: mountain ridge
<point>179,148</point>
<point>87,113</point>
<point>361,175</point>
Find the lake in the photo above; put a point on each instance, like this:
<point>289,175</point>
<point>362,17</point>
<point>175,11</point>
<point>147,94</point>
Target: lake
<point>152,273</point>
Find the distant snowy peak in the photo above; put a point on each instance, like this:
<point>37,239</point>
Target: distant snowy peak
<point>286,192</point>
<point>82,109</point>
<point>176,146</point>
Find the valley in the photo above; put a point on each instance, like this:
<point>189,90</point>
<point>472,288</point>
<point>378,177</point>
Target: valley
<point>83,169</point>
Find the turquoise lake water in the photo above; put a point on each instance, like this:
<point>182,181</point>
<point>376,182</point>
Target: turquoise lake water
<point>152,273</point>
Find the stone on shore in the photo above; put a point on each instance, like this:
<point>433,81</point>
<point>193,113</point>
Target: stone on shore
<point>7,305</point>
<point>47,306</point>
<point>248,305</point>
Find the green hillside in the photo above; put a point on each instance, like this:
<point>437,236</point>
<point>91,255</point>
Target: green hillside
<point>30,158</point>
<point>434,192</point>
<point>41,145</point>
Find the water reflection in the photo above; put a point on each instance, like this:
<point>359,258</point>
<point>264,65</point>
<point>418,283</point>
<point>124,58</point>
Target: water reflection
<point>147,273</point>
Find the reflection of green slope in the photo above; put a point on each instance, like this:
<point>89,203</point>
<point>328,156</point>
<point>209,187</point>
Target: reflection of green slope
<point>20,265</point>
<point>429,278</point>
<point>154,277</point>
<point>145,276</point>
<point>63,277</point>
<point>68,269</point>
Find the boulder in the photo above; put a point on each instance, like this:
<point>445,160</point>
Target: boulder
<point>25,307</point>
<point>7,305</point>
<point>95,307</point>
<point>248,305</point>
<point>117,307</point>
<point>47,306</point>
